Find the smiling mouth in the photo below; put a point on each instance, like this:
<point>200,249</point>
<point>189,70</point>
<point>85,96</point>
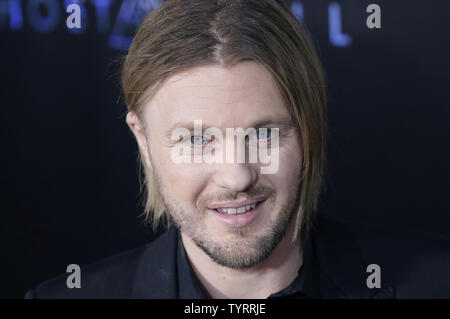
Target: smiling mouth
<point>238,210</point>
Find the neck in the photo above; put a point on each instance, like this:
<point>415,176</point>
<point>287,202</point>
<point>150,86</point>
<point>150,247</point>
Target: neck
<point>275,273</point>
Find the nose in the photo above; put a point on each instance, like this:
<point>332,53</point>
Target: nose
<point>236,177</point>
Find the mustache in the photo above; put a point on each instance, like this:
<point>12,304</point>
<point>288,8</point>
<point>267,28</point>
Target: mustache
<point>253,193</point>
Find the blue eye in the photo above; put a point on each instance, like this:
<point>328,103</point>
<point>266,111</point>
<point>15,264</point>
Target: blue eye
<point>264,133</point>
<point>198,140</point>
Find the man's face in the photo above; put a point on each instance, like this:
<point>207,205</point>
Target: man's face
<point>197,195</point>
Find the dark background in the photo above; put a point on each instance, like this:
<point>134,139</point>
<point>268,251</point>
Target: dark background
<point>69,188</point>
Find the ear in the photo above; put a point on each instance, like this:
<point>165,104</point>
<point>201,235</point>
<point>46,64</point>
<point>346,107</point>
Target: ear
<point>139,132</point>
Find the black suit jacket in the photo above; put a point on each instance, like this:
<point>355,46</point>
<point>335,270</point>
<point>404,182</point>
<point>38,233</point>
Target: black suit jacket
<point>343,252</point>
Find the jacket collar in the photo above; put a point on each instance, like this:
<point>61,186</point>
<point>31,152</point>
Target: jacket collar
<point>156,272</point>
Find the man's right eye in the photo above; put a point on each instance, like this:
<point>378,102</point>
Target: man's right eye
<point>198,140</point>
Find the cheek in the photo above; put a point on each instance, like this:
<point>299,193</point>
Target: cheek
<point>184,182</point>
<point>289,168</point>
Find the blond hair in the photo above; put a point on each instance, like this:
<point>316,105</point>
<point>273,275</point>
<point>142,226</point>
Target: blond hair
<point>183,34</point>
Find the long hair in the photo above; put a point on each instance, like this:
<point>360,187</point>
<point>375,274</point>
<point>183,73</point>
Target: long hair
<point>183,34</point>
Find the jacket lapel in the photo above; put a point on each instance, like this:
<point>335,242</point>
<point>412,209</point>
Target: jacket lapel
<point>156,272</point>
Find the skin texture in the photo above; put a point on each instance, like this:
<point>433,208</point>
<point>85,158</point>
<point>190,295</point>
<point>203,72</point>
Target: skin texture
<point>252,261</point>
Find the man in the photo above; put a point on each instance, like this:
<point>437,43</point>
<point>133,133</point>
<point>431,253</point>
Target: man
<point>236,228</point>
<point>209,66</point>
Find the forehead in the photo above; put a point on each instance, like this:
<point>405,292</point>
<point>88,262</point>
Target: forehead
<point>220,97</point>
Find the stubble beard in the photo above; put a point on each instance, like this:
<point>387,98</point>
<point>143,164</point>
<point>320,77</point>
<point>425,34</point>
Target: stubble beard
<point>249,246</point>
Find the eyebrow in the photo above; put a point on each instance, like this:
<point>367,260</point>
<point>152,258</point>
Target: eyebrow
<point>284,122</point>
<point>277,122</point>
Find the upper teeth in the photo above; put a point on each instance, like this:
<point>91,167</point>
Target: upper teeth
<point>237,210</point>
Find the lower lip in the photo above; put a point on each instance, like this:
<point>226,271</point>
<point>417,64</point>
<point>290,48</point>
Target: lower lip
<point>238,220</point>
